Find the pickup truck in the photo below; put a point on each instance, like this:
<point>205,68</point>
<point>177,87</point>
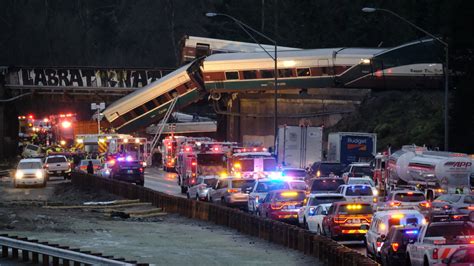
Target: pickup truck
<point>438,240</point>
<point>57,165</point>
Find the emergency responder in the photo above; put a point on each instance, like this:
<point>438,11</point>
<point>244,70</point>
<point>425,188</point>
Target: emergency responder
<point>90,168</point>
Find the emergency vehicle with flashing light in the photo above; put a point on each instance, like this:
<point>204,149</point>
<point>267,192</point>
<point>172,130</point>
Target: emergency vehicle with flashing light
<point>382,221</point>
<point>282,205</point>
<point>348,219</point>
<point>172,145</point>
<point>201,158</point>
<point>252,162</point>
<point>262,186</point>
<point>439,239</point>
<point>394,245</point>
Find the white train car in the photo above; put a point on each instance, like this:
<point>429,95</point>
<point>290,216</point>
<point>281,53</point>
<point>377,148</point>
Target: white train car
<point>407,66</point>
<point>149,104</point>
<point>193,47</point>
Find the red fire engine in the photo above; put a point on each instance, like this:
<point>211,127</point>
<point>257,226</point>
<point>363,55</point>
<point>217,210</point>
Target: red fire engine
<point>251,162</point>
<point>172,145</point>
<point>201,158</point>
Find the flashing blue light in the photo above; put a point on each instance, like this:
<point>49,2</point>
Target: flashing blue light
<point>411,232</point>
<point>275,175</point>
<point>120,159</point>
<point>312,211</point>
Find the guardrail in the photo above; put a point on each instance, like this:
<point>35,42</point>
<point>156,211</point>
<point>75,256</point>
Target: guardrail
<point>325,249</point>
<point>4,173</point>
<point>35,251</point>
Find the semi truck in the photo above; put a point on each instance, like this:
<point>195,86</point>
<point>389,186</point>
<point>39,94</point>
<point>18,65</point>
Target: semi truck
<point>434,172</point>
<point>299,146</point>
<point>350,147</point>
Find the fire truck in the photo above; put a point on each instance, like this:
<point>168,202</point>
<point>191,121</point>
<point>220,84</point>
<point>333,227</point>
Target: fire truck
<point>172,145</point>
<point>112,144</point>
<point>251,162</point>
<point>201,158</point>
<point>62,128</point>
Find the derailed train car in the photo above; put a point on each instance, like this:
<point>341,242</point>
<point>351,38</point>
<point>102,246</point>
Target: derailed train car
<point>412,65</point>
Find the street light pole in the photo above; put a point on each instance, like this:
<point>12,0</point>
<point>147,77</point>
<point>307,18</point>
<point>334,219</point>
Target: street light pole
<point>245,28</point>
<point>445,70</point>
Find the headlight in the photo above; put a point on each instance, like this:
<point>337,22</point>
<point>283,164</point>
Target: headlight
<point>19,174</point>
<point>376,192</point>
<point>39,174</point>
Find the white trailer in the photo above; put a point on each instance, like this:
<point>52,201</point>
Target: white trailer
<point>299,147</point>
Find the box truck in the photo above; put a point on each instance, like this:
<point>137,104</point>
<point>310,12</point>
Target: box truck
<point>299,147</point>
<point>350,147</point>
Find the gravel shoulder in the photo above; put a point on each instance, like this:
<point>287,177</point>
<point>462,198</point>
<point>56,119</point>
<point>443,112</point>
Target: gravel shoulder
<point>168,239</point>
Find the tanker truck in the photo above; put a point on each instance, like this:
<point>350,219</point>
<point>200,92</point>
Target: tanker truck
<point>434,172</point>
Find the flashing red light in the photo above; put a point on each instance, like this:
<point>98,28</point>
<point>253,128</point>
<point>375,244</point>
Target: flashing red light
<point>188,149</point>
<point>395,246</point>
<point>169,146</point>
<point>193,163</point>
<point>68,115</point>
<point>30,116</point>
<point>254,149</point>
<point>216,148</point>
<point>435,253</point>
<point>46,120</point>
<point>425,205</point>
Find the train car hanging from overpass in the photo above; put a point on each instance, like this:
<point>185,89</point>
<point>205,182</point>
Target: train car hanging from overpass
<point>150,103</point>
<point>412,65</point>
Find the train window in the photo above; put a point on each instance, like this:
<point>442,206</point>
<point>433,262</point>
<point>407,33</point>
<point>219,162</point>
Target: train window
<point>302,72</point>
<point>231,75</point>
<point>324,71</point>
<point>266,74</point>
<point>139,110</point>
<point>161,99</point>
<point>128,116</point>
<point>250,74</point>
<point>284,72</point>
<point>150,105</point>
<point>173,93</point>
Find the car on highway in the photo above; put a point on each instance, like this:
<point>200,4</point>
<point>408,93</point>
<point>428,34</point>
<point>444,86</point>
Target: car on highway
<point>357,170</point>
<point>231,191</point>
<point>453,203</point>
<point>359,193</point>
<point>282,205</point>
<point>30,172</point>
<point>32,151</point>
<point>82,167</point>
<point>57,165</point>
<point>311,202</point>
<point>326,168</point>
<point>463,256</point>
<point>363,181</point>
<point>294,173</point>
<point>260,190</point>
<point>314,218</point>
<point>347,220</point>
<point>200,191</point>
<point>394,245</point>
<point>128,170</point>
<point>324,184</point>
<point>407,199</point>
<point>263,186</point>
<point>382,221</point>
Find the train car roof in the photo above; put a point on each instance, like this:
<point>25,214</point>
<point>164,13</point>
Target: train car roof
<point>232,46</point>
<point>301,58</point>
<point>150,87</point>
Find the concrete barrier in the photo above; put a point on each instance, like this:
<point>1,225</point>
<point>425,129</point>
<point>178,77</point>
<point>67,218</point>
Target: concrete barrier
<point>324,249</point>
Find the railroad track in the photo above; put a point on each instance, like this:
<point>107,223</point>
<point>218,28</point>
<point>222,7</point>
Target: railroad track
<point>30,250</point>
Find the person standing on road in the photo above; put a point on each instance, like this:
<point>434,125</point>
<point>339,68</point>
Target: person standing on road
<point>90,168</point>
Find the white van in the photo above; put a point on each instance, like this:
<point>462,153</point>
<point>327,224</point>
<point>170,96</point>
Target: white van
<point>31,150</point>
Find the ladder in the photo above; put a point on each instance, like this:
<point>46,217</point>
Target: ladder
<point>159,129</point>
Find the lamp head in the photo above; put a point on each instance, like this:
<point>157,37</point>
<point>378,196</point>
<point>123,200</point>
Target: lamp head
<point>369,9</point>
<point>211,14</point>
